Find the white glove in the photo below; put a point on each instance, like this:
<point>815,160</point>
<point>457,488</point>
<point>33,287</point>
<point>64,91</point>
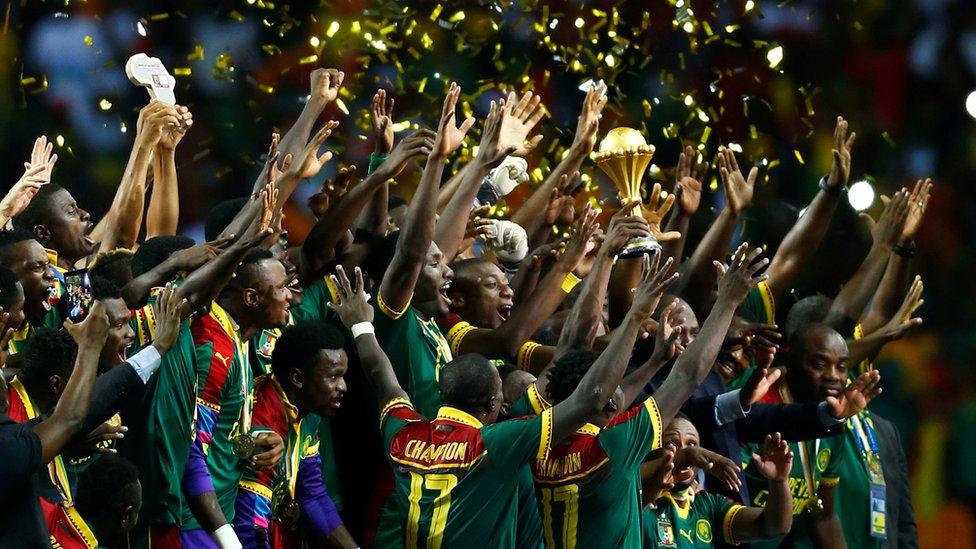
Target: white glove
<point>511,173</point>
<point>507,240</point>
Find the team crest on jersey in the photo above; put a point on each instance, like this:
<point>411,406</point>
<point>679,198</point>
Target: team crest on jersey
<point>665,533</point>
<point>823,458</point>
<point>267,342</point>
<point>703,529</point>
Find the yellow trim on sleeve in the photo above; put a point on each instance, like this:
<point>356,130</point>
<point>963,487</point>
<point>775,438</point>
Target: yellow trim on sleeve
<point>392,313</point>
<point>256,488</point>
<point>537,400</point>
<point>456,334</point>
<point>570,282</point>
<point>333,291</point>
<point>829,481</point>
<point>545,436</point>
<point>767,298</point>
<point>524,357</point>
<point>727,523</point>
<point>398,401</point>
<point>652,410</point>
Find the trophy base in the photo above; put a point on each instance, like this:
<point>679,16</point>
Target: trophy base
<point>639,246</point>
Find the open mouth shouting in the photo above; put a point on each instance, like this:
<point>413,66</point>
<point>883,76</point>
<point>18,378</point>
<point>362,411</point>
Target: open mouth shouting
<point>442,292</point>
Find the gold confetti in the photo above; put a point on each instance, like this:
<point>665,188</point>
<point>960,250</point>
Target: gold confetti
<point>59,140</point>
<point>342,106</point>
<point>197,54</point>
<point>182,71</point>
<point>159,16</point>
<point>436,13</point>
<point>308,59</point>
<point>105,105</point>
<point>774,56</point>
<point>89,41</point>
<point>333,29</point>
<point>459,16</point>
<point>799,157</point>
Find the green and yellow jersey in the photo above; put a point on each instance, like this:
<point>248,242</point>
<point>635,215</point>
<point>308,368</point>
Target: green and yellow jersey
<point>693,523</point>
<point>588,486</point>
<point>854,494</point>
<point>456,480</point>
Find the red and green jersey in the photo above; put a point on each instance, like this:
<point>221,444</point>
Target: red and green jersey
<point>821,460</point>
<point>223,405</point>
<point>694,523</point>
<point>456,480</point>
<point>589,484</point>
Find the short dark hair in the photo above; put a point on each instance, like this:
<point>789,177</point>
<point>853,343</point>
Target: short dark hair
<point>567,372</point>
<point>221,215</point>
<point>467,383</point>
<point>8,287</point>
<point>103,288</point>
<point>154,251</point>
<point>9,238</point>
<point>39,211</point>
<point>247,271</point>
<point>809,310</point>
<point>299,346</point>
<point>49,352</point>
<point>115,265</point>
<point>102,485</point>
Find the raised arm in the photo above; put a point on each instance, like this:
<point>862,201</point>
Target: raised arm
<point>687,193</point>
<point>37,172</point>
<point>602,379</point>
<point>696,361</point>
<point>848,306</point>
<point>163,215</point>
<point>120,227</point>
<point>898,272</point>
<point>418,231</point>
<point>667,346</point>
<point>354,311</point>
<point>318,250</point>
<point>504,134</point>
<point>374,219</point>
<point>804,238</point>
<point>698,275</point>
<point>868,346</point>
<point>775,519</point>
<point>72,407</point>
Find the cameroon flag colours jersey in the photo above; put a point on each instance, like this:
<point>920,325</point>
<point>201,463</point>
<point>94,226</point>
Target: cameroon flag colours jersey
<point>702,520</point>
<point>223,404</point>
<point>455,479</point>
<point>853,500</point>
<point>588,486</point>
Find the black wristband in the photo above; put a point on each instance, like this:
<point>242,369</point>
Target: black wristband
<point>908,252</point>
<point>832,191</point>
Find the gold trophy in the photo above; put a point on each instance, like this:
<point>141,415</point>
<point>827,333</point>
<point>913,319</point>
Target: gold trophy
<point>624,157</point>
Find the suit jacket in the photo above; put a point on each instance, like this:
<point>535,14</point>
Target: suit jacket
<point>902,531</point>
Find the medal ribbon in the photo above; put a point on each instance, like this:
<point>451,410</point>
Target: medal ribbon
<point>223,319</point>
<point>867,443</point>
<point>55,469</point>
<point>294,433</point>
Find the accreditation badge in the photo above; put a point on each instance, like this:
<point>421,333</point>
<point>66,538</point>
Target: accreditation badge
<point>879,528</point>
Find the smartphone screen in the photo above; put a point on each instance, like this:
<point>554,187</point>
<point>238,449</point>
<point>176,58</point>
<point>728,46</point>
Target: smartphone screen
<point>78,298</point>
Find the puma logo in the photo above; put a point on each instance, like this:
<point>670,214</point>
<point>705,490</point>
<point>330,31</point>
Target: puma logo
<point>223,359</point>
<point>686,534</point>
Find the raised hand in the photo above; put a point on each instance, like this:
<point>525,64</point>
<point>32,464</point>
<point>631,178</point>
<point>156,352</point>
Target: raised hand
<point>419,143</point>
<point>840,171</point>
<point>91,332</point>
<point>562,201</point>
<point>918,202</point>
<point>777,459</point>
<point>42,155</point>
<point>449,135</point>
<point>106,432</point>
<point>667,341</point>
<point>856,396</point>
<point>655,279</point>
<point>194,257</point>
<point>716,465</point>
<point>269,206</point>
<point>19,196</point>
<point>655,212</point>
<point>172,136</point>
<point>903,321</point>
<point>760,381</point>
<point>741,277</point>
<point>381,119</point>
<point>331,191</point>
<point>353,304</point>
<point>518,120</point>
<point>888,229</point>
<point>325,84</point>
<point>310,162</point>
<point>6,334</point>
<point>752,335</point>
<point>738,190</point>
<point>154,119</point>
<point>624,225</point>
<point>478,225</point>
<point>688,181</point>
<point>169,311</point>
<point>589,119</point>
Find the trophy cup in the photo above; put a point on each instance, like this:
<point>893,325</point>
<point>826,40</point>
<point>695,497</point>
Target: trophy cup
<point>624,157</point>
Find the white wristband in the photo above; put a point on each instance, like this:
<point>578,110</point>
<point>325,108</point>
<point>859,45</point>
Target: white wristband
<point>226,538</point>
<point>361,328</point>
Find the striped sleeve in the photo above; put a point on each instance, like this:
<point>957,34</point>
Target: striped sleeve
<point>456,334</point>
<point>727,523</point>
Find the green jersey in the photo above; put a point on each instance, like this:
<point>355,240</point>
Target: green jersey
<point>417,350</point>
<point>456,480</point>
<point>588,485</point>
<point>758,307</point>
<point>853,499</point>
<point>824,457</point>
<point>692,524</point>
<point>223,402</point>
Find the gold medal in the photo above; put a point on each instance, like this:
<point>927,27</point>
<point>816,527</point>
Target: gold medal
<point>815,507</point>
<point>243,445</point>
<point>289,512</point>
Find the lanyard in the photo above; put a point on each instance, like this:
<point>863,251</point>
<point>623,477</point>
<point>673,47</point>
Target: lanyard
<point>441,347</point>
<point>241,350</point>
<point>867,444</point>
<point>55,469</point>
<point>295,434</point>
